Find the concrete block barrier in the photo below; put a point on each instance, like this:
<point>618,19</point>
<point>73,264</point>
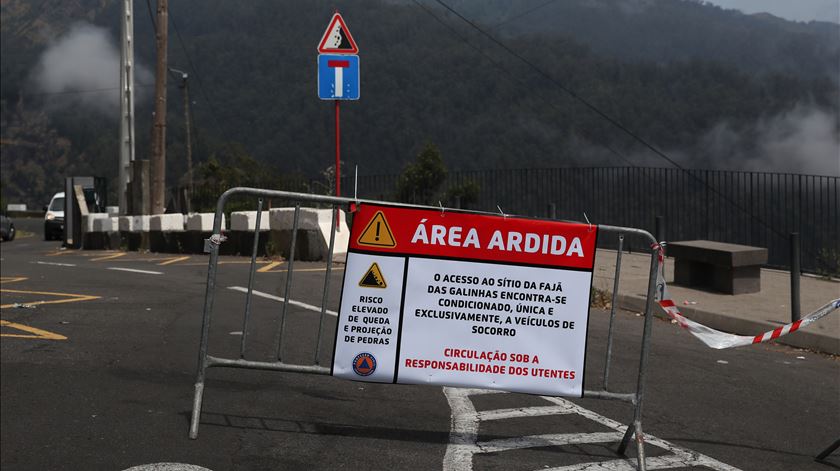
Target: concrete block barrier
<point>164,230</point>
<point>105,234</point>
<point>134,232</point>
<point>203,222</point>
<point>244,221</point>
<point>241,236</point>
<point>166,222</point>
<point>199,226</point>
<point>92,230</point>
<point>313,236</point>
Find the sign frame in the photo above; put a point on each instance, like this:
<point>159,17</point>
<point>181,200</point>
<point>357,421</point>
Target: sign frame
<point>345,69</point>
<point>549,370</point>
<point>322,45</point>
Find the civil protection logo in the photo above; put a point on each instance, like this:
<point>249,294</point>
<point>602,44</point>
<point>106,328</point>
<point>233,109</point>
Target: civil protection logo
<point>364,364</point>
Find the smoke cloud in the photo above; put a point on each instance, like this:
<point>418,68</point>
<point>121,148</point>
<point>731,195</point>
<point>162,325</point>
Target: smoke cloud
<point>805,139</point>
<point>82,68</point>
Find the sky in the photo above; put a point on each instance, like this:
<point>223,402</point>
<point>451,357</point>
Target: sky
<point>796,10</point>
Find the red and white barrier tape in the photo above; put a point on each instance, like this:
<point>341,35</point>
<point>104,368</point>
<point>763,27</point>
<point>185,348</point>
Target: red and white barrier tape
<point>715,338</point>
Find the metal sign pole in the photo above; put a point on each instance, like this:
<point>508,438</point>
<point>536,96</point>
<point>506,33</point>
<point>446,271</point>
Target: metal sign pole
<point>337,148</point>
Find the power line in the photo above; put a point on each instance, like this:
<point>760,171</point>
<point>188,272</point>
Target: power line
<point>196,75</point>
<point>152,16</point>
<point>524,13</point>
<point>605,116</point>
<point>560,85</point>
<point>511,76</point>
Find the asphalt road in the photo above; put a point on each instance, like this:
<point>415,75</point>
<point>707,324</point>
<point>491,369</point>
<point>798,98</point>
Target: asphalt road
<point>100,376</point>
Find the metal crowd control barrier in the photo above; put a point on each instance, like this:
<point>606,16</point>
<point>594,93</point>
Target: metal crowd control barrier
<point>205,360</point>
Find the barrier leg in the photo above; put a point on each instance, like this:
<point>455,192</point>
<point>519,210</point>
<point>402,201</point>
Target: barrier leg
<point>288,293</point>
<point>640,447</point>
<point>335,217</point>
<point>612,311</point>
<point>212,246</point>
<point>251,280</point>
<point>640,384</point>
<point>196,412</point>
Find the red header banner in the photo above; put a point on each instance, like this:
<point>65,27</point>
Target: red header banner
<point>455,235</point>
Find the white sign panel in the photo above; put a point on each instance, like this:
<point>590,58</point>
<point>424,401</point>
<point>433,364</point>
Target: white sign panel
<point>510,327</point>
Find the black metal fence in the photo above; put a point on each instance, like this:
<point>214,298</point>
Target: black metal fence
<point>750,208</point>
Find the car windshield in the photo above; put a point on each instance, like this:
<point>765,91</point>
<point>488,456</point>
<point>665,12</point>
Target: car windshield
<point>57,204</point>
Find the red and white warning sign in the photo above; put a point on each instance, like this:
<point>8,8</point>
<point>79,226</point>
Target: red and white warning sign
<point>469,300</point>
<point>337,38</point>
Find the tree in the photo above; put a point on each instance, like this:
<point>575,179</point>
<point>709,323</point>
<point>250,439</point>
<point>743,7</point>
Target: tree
<point>420,182</point>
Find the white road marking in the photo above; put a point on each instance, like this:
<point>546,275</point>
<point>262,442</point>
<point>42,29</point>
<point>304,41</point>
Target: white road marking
<point>57,264</point>
<point>167,467</point>
<point>463,437</point>
<point>281,299</point>
<point>133,270</point>
<point>501,414</point>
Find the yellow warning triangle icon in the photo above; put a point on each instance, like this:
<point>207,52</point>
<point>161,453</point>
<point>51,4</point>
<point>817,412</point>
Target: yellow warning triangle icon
<point>377,233</point>
<point>373,278</point>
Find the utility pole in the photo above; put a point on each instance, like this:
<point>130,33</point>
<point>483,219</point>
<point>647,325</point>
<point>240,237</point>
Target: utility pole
<point>126,103</point>
<point>158,164</point>
<point>186,87</point>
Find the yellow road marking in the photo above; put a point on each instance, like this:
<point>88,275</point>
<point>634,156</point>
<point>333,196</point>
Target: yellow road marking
<point>80,253</point>
<point>269,267</point>
<point>172,260</point>
<point>109,257</point>
<point>34,333</point>
<point>297,270</point>
<point>229,262</point>
<point>70,298</point>
<point>12,279</point>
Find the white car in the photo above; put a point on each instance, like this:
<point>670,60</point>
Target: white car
<point>54,218</point>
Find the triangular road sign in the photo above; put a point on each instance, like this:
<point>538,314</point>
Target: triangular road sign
<point>377,233</point>
<point>337,38</point>
<point>373,278</point>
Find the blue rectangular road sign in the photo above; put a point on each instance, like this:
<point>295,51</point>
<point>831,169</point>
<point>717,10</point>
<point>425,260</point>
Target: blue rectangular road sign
<point>338,77</point>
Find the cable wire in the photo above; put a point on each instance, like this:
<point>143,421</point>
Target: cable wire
<point>605,116</point>
<point>512,77</point>
<point>194,70</point>
<point>524,13</point>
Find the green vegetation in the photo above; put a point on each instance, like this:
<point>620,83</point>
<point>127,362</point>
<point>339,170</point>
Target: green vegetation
<point>420,182</point>
<point>670,70</point>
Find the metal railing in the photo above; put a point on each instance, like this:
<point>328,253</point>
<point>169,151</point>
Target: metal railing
<point>749,208</point>
<point>280,362</point>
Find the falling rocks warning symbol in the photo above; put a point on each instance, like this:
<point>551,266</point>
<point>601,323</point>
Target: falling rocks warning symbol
<point>337,38</point>
<point>373,278</point>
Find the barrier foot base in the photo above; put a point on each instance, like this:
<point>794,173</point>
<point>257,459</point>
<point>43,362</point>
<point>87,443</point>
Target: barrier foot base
<point>640,447</point>
<point>196,412</point>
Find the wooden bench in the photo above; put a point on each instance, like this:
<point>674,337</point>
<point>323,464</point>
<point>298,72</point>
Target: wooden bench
<point>728,268</point>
